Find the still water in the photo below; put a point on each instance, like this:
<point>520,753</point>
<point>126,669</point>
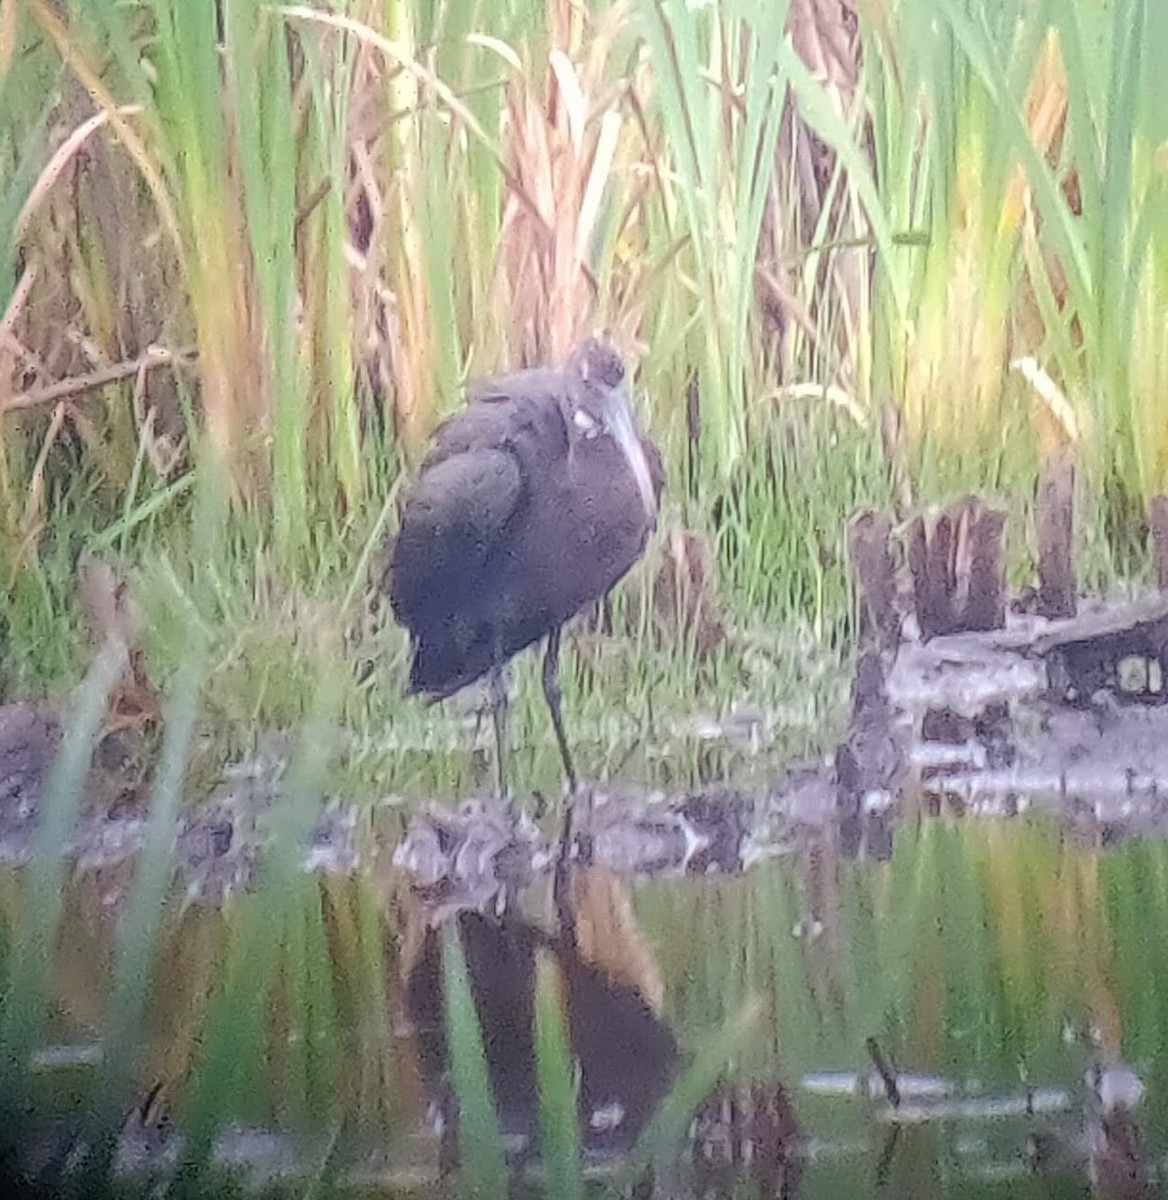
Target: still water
<point>996,964</point>
<point>1006,979</point>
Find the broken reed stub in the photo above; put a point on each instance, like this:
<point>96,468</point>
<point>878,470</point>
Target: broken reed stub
<point>871,757</point>
<point>1057,582</point>
<point>869,536</point>
<point>1158,524</point>
<point>985,605</point>
<point>956,557</point>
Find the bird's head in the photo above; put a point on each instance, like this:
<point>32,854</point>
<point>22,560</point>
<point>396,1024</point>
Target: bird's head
<point>601,406</point>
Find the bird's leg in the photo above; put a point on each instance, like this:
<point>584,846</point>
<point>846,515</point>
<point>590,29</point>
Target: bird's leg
<point>497,687</point>
<point>551,693</point>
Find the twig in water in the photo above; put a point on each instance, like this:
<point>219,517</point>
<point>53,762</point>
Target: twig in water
<point>885,1070</point>
<point>887,1156</point>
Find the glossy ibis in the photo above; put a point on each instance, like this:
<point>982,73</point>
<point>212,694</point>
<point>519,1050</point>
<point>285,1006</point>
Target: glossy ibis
<point>533,501</point>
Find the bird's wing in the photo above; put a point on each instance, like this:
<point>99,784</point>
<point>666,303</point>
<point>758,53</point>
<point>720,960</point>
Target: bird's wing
<point>474,428</point>
<point>469,485</point>
<point>450,522</point>
<point>534,382</point>
<point>528,425</point>
<point>467,495</point>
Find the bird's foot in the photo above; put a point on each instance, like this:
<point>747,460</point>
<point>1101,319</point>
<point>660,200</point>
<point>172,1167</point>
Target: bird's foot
<point>575,809</point>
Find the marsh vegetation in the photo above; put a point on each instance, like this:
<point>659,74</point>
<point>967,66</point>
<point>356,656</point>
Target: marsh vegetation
<point>861,254</point>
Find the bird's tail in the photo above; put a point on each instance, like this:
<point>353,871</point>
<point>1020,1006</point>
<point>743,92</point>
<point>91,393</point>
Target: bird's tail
<point>440,667</point>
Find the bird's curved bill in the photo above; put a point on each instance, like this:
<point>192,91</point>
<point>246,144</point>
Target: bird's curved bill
<point>624,433</point>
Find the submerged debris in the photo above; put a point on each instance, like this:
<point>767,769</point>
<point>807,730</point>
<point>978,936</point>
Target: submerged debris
<point>1054,714</point>
<point>221,841</point>
<point>1107,1146</point>
<point>471,858</point>
<point>748,1131</point>
<point>476,856</point>
<point>218,843</point>
<point>994,709</point>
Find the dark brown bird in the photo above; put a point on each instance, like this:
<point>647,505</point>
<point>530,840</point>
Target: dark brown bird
<point>532,503</point>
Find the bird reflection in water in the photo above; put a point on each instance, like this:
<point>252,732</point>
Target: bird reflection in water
<point>626,1054</point>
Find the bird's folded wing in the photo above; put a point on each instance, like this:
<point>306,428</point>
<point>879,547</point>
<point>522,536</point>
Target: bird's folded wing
<point>467,495</point>
<point>539,382</point>
<point>495,420</point>
<point>450,523</point>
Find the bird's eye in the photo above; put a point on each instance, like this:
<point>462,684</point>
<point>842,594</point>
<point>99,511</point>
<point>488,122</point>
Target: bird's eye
<point>585,423</point>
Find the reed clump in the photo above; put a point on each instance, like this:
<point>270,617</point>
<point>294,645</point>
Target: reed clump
<point>249,252</point>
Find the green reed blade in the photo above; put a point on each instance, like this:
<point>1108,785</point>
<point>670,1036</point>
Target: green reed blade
<point>23,1004</point>
<point>483,1169</point>
<point>559,1123</point>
